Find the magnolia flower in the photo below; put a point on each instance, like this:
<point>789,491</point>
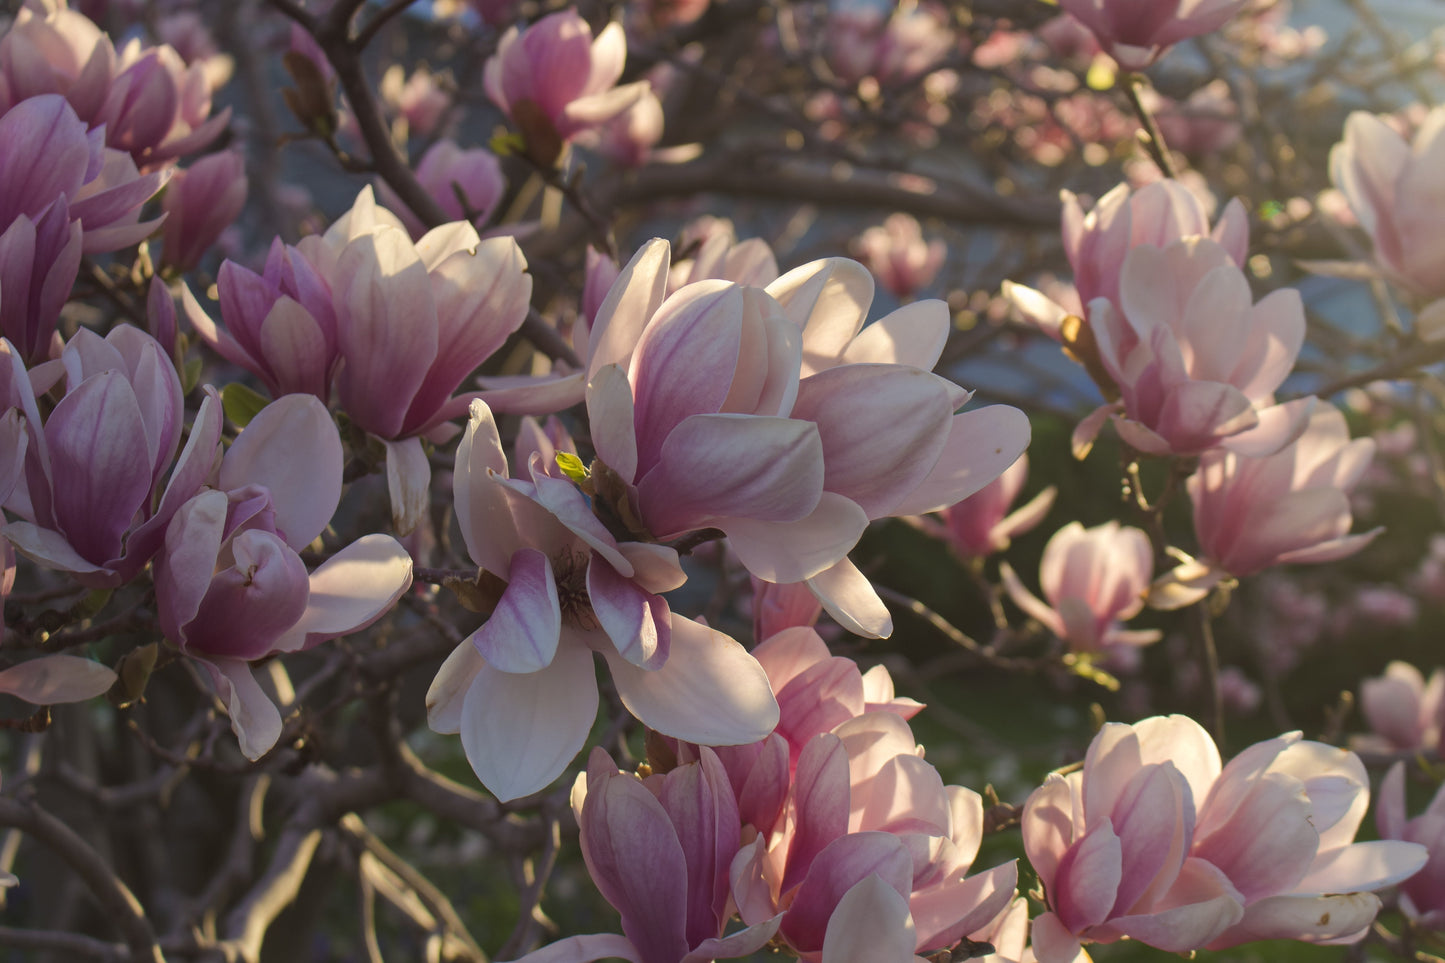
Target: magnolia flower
<point>1195,360</point>
<point>1097,242</point>
<point>150,104</point>
<point>521,689</point>
<point>554,81</point>
<point>1137,34</point>
<point>1394,188</point>
<point>466,184</point>
<point>230,585</point>
<point>1405,712</point>
<point>899,257</point>
<point>97,499</point>
<point>1422,896</point>
<point>411,320</point>
<point>659,850</point>
<point>981,524</point>
<point>1279,822</point>
<point>1292,506</point>
<point>863,802</point>
<point>62,194</point>
<point>1154,841</point>
<point>1094,579</point>
<point>894,442</point>
<point>280,324</point>
<point>418,99</point>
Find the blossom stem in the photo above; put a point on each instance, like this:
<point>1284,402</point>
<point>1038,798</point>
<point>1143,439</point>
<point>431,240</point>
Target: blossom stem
<point>1153,139</point>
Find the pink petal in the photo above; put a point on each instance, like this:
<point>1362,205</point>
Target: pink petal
<point>852,601</point>
<point>871,924</point>
<point>630,304</point>
<point>637,622</point>
<point>254,717</point>
<point>610,413</point>
<point>710,691</point>
<point>408,482</point>
<point>634,857</point>
<point>293,449</point>
<point>52,679</point>
<point>520,731</point>
<point>793,551</point>
<point>522,634</point>
<point>723,466</point>
<point>350,591</point>
<point>820,802</point>
<point>448,690</point>
<point>883,429</point>
<point>981,445</point>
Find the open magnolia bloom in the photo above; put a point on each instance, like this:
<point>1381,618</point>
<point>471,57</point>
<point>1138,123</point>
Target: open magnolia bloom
<point>776,417</point>
<point>1094,579</point>
<point>1394,188</point>
<point>230,585</point>
<point>1153,840</point>
<point>102,477</point>
<point>391,325</point>
<point>521,689</point>
<point>1136,33</point>
<point>1196,361</point>
<point>1288,507</point>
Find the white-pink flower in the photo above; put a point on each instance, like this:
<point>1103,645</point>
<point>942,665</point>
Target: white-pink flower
<point>1094,579</point>
<point>521,689</point>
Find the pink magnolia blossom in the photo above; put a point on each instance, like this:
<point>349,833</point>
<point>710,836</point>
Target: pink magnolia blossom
<point>774,416</point>
<point>62,194</point>
<point>552,104</point>
<point>150,104</point>
<point>280,324</point>
<point>466,184</point>
<point>1394,187</point>
<point>863,802</point>
<point>659,850</point>
<point>201,202</point>
<point>1206,122</point>
<point>521,690</point>
<point>1292,506</point>
<point>1097,242</point>
<point>1094,579</point>
<point>417,99</point>
<point>412,320</point>
<point>1280,822</point>
<point>870,392</point>
<point>1195,360</point>
<point>981,525</point>
<point>899,257</point>
<point>1405,712</point>
<point>231,587</point>
<point>97,499</point>
<point>1422,896</point>
<point>1155,841</point>
<point>1136,33</point>
<point>863,43</point>
<point>629,138</point>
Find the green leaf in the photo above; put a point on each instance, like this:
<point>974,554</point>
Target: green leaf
<point>507,144</point>
<point>572,467</point>
<point>241,403</point>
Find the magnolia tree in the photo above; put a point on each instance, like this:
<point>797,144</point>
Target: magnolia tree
<point>462,464</point>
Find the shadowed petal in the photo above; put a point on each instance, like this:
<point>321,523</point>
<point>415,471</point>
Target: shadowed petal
<point>710,691</point>
<point>520,731</point>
